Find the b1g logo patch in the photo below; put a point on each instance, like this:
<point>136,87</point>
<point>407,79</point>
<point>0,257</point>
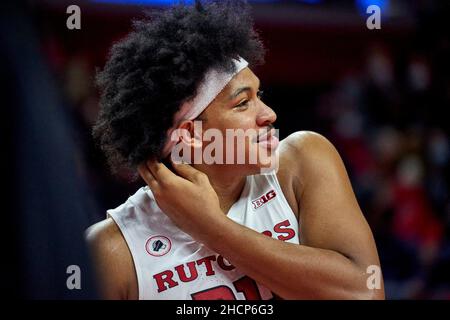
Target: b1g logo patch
<point>257,203</point>
<point>158,246</point>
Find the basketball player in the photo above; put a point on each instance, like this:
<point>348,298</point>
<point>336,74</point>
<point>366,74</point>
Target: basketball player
<point>219,231</point>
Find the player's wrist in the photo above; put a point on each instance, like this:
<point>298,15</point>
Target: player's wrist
<point>217,234</point>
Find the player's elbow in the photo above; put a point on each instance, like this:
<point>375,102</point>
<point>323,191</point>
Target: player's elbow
<point>372,294</point>
<point>361,287</point>
<point>368,293</point>
<point>355,294</point>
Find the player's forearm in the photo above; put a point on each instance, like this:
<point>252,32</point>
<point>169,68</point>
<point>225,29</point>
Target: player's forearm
<point>291,271</point>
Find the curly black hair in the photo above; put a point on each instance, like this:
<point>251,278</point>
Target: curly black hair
<point>158,66</point>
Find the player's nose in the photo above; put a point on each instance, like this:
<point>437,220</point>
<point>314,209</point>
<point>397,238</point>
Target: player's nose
<point>266,115</point>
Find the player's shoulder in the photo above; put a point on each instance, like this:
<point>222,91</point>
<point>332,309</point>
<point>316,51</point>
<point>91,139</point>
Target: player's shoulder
<point>295,152</point>
<point>305,154</point>
<point>305,142</point>
<point>114,264</point>
<point>106,242</point>
<point>105,232</point>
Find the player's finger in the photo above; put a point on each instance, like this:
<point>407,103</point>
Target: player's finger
<point>188,172</point>
<point>148,177</point>
<point>160,171</point>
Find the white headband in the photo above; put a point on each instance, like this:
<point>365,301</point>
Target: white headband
<point>212,84</point>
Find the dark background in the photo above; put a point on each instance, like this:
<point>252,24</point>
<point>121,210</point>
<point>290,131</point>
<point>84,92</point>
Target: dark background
<point>380,96</point>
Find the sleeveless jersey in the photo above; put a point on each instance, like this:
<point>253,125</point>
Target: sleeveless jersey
<point>171,265</point>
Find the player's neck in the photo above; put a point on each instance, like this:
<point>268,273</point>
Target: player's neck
<point>227,186</point>
<point>229,193</point>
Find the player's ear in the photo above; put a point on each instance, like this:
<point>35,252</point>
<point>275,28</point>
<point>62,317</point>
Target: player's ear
<point>189,139</point>
<point>190,133</point>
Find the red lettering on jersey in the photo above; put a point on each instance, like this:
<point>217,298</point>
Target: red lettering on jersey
<point>223,265</point>
<point>192,270</point>
<point>248,287</point>
<point>164,278</point>
<point>267,233</point>
<point>264,199</point>
<point>208,264</point>
<point>257,203</point>
<point>282,228</point>
<point>215,293</point>
<point>270,195</point>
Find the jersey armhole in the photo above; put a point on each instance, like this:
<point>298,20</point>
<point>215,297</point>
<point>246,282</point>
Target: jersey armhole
<point>128,240</point>
<point>283,197</point>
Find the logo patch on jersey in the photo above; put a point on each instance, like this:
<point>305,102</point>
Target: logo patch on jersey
<point>257,203</point>
<point>158,246</point>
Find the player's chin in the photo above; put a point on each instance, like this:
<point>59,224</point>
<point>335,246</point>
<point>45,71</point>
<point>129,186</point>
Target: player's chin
<point>268,164</point>
<point>268,161</point>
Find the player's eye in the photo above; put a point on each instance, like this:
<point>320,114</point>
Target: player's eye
<point>260,94</point>
<point>242,104</point>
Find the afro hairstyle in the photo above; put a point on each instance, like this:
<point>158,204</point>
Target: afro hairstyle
<point>158,66</point>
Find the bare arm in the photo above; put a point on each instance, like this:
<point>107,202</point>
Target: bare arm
<point>330,217</point>
<point>114,266</point>
<point>337,244</point>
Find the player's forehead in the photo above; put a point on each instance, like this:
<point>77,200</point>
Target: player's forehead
<point>245,78</point>
<point>242,80</point>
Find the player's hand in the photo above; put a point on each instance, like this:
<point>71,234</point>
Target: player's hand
<point>187,198</point>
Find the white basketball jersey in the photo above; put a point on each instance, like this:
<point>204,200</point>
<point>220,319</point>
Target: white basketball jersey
<point>171,265</point>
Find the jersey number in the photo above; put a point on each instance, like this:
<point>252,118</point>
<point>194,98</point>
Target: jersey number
<point>245,285</point>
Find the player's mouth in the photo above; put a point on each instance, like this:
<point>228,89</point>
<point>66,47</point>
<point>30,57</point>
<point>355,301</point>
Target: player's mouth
<point>268,139</point>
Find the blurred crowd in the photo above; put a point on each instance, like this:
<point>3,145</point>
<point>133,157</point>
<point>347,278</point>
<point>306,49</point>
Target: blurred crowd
<point>388,122</point>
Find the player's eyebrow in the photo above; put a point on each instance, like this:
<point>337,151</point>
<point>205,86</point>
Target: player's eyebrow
<point>240,90</point>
